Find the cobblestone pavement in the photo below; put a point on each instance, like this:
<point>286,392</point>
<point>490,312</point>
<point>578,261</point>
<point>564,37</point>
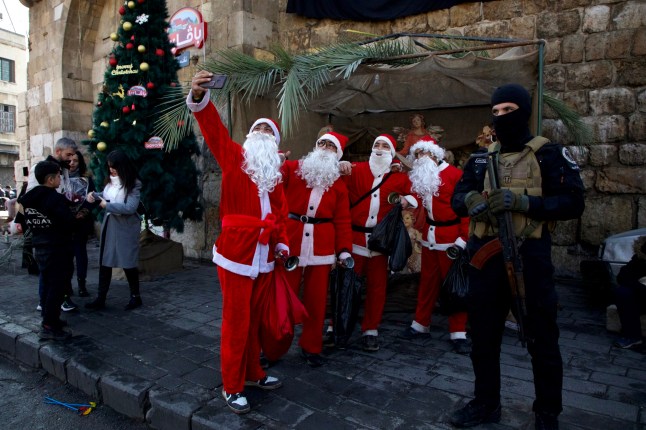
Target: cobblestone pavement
<point>160,363</point>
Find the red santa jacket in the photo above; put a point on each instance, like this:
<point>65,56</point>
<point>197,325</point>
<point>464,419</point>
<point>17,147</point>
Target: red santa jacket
<point>248,219</point>
<point>374,208</point>
<point>439,237</point>
<point>316,244</point>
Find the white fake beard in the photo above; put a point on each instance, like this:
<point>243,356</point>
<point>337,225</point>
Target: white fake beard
<point>261,161</point>
<point>380,162</point>
<point>319,168</point>
<point>425,178</point>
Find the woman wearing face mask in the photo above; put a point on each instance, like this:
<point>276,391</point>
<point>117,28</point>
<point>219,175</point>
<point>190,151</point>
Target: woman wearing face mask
<point>120,229</point>
<point>81,184</point>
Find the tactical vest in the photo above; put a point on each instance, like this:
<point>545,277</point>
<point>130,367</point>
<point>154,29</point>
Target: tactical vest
<point>520,173</point>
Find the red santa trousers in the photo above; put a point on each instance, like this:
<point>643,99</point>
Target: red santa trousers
<point>435,266</point>
<point>240,340</point>
<point>315,285</point>
<point>375,269</point>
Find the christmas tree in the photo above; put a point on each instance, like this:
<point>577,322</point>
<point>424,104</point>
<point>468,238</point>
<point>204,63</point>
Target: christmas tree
<point>142,68</point>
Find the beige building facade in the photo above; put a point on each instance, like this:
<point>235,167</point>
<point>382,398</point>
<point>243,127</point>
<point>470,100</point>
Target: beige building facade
<point>13,84</point>
<point>595,61</point>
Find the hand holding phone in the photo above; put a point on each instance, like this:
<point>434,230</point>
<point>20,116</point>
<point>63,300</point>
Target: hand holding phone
<point>216,82</point>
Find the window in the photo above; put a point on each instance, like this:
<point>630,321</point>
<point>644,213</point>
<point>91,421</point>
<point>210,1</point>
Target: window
<point>7,119</point>
<point>7,70</point>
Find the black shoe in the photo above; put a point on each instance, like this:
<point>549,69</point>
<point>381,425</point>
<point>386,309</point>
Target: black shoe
<point>54,333</point>
<point>97,304</point>
<point>410,333</point>
<point>461,346</point>
<point>237,402</point>
<point>475,413</point>
<point>546,421</point>
<point>267,383</point>
<point>83,292</point>
<point>328,340</point>
<point>134,303</point>
<point>313,360</point>
<point>370,343</point>
<point>68,305</point>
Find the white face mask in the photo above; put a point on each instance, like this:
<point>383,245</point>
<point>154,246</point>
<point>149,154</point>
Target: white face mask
<point>380,161</point>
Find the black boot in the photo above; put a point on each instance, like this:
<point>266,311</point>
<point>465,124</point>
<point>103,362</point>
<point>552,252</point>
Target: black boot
<point>82,290</point>
<point>134,303</point>
<point>98,303</point>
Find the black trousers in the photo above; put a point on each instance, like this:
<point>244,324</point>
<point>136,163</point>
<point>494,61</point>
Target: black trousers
<point>105,277</point>
<point>488,305</point>
<point>56,265</point>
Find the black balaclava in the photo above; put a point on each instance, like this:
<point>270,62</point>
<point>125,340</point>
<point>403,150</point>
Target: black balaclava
<point>512,129</point>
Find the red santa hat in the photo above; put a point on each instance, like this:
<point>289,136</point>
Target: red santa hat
<point>389,140</point>
<point>271,123</point>
<point>338,139</point>
<point>428,145</point>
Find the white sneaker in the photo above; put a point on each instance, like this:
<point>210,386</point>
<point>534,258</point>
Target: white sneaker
<point>237,402</point>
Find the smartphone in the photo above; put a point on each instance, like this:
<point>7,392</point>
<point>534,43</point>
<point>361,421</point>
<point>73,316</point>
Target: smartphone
<point>216,82</point>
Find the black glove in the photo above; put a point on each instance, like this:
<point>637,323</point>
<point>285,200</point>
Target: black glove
<point>505,200</point>
<point>477,206</point>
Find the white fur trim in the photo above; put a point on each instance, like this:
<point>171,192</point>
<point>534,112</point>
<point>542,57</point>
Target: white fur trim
<point>428,146</point>
<point>386,140</point>
<point>196,107</point>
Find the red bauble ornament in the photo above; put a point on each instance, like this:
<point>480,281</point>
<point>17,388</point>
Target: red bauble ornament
<point>132,37</point>
<point>99,104</point>
<point>159,52</point>
<point>129,45</point>
<point>173,84</point>
<point>125,109</point>
<point>113,61</point>
<point>150,85</point>
<point>122,10</point>
<point>141,1</point>
<point>132,107</point>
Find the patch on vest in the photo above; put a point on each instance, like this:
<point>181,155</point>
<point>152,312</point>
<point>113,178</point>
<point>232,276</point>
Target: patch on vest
<point>568,157</point>
<point>481,161</point>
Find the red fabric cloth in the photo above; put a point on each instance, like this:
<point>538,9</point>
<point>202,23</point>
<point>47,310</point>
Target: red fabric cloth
<point>375,270</point>
<point>316,243</point>
<point>435,263</point>
<point>315,286</point>
<point>372,209</point>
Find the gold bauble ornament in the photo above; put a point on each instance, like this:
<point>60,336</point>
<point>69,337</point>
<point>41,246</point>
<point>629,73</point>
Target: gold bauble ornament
<point>105,124</point>
<point>131,4</point>
<point>91,134</point>
<point>114,37</point>
<point>101,146</point>
<point>144,67</point>
<point>127,26</point>
<point>141,48</point>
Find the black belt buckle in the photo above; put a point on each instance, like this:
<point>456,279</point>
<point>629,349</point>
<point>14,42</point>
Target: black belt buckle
<point>304,219</point>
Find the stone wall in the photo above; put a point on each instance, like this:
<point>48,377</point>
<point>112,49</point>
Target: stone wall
<point>595,62</point>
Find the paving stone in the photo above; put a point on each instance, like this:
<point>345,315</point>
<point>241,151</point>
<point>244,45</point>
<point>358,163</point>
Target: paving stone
<point>205,377</point>
<point>8,334</point>
<point>27,350</point>
<point>53,359</point>
<point>217,416</point>
<point>610,408</point>
<point>171,411</point>
<point>84,372</point>
<point>126,394</point>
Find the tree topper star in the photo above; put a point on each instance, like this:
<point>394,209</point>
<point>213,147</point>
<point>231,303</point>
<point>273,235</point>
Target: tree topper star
<point>141,19</point>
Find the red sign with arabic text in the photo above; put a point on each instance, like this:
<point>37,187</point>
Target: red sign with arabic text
<point>187,29</point>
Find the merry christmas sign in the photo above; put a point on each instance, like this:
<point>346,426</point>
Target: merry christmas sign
<point>187,28</point>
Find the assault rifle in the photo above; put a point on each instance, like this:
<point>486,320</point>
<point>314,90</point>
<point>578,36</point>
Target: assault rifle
<point>511,256</point>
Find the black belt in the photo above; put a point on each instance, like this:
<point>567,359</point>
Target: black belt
<point>308,219</point>
<point>362,229</point>
<point>442,223</point>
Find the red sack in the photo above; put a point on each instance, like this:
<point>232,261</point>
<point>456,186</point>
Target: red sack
<point>282,311</point>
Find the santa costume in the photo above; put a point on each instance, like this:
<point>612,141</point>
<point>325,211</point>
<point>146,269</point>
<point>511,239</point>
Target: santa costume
<point>365,214</point>
<point>319,231</point>
<point>253,229</point>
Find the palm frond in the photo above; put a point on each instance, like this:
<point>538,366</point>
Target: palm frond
<point>578,130</point>
<point>453,44</point>
<point>173,121</point>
